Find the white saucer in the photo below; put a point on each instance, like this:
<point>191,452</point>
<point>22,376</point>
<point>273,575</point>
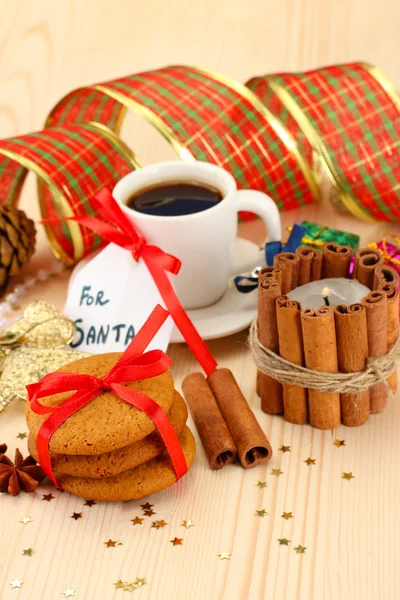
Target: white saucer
<point>234,311</point>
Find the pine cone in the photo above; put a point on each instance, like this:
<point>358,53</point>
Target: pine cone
<point>17,242</point>
<point>22,474</point>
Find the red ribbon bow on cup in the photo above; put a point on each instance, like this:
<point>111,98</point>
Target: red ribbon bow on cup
<point>115,227</point>
<point>133,365</point>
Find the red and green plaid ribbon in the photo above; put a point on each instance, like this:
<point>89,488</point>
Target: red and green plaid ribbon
<point>71,163</point>
<point>272,135</point>
<point>349,115</point>
<point>204,116</point>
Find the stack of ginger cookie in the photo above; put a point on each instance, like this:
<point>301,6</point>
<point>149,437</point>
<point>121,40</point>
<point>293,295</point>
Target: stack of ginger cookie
<point>110,450</point>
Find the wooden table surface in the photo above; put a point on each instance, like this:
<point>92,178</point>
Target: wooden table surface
<point>350,528</point>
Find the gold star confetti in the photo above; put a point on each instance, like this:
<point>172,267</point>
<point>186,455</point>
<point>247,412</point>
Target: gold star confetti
<point>149,513</point>
<point>261,513</point>
<point>76,516</point>
<point>310,461</point>
<point>16,583</point>
<point>25,520</point>
<point>22,436</point>
<point>287,515</point>
<point>177,541</point>
<point>119,584</point>
<point>283,541</point>
<point>48,497</point>
<point>28,552</point>
<point>276,472</point>
<point>187,524</point>
<point>224,555</point>
<point>68,593</point>
<point>112,543</point>
<point>348,476</point>
<point>129,587</point>
<point>300,549</point>
<point>262,484</point>
<point>285,448</point>
<point>137,520</point>
<point>146,506</point>
<point>339,443</point>
<point>159,524</point>
<point>139,581</point>
<point>90,503</point>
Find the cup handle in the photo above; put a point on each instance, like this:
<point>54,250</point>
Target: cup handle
<point>263,206</point>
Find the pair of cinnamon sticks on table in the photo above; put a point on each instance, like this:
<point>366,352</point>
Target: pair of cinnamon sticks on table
<point>226,424</point>
<point>337,339</point>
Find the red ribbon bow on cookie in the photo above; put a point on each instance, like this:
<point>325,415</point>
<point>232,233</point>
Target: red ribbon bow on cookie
<point>133,365</point>
<point>114,226</point>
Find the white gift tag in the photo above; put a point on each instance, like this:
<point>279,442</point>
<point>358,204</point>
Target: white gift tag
<point>109,299</point>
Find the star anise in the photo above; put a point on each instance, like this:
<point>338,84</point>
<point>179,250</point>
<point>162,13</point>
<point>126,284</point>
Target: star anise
<point>3,449</point>
<point>22,474</point>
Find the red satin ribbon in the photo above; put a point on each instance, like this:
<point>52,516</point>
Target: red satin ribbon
<point>115,227</point>
<point>133,365</point>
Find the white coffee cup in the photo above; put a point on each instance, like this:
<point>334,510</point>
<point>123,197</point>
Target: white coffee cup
<point>203,241</point>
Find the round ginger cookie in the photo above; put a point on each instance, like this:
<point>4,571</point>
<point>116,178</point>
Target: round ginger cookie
<point>112,463</point>
<point>107,422</point>
<point>146,479</point>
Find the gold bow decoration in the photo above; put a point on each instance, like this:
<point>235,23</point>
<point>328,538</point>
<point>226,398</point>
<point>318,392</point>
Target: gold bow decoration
<point>32,347</point>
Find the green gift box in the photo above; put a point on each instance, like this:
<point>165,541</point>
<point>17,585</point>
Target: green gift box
<point>317,235</point>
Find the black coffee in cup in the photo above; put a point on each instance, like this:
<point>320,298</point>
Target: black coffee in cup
<point>174,199</point>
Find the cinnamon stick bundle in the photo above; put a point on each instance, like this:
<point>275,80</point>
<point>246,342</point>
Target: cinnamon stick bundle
<point>251,442</point>
<point>270,390</point>
<point>213,431</point>
<point>366,261</point>
<point>392,295</point>
<point>320,354</point>
<point>377,318</point>
<point>288,263</point>
<point>288,314</point>
<point>385,274</point>
<point>310,266</point>
<point>270,273</point>
<point>352,351</point>
<point>335,260</point>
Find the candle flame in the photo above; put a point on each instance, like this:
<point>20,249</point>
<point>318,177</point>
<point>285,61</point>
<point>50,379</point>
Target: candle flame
<point>326,291</point>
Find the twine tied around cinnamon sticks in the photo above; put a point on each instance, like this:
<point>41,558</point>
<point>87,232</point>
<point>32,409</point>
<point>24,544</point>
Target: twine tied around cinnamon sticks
<point>378,370</point>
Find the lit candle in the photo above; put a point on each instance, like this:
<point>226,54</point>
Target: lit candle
<point>329,292</point>
<point>325,295</point>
